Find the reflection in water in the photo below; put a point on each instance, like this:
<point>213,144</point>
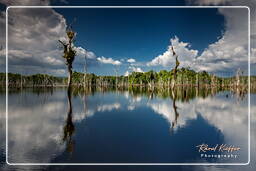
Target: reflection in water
<point>107,122</point>
<point>69,127</point>
<point>175,110</point>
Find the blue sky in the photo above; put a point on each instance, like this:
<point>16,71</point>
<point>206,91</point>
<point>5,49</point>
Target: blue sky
<point>206,39</point>
<point>142,34</point>
<point>132,30</point>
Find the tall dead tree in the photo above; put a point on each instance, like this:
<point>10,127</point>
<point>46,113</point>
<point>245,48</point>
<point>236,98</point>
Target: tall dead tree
<point>177,63</point>
<point>69,52</point>
<point>85,69</point>
<point>116,72</point>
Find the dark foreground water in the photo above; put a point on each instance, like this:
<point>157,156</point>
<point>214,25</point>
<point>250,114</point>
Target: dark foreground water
<point>128,126</point>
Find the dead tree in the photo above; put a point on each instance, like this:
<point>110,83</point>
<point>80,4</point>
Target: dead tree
<point>85,69</point>
<point>116,72</point>
<point>69,52</point>
<point>177,63</point>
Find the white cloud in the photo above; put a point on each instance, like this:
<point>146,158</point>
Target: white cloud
<point>133,69</point>
<point>33,39</point>
<point>236,32</point>
<point>136,69</point>
<point>108,61</point>
<point>53,60</point>
<point>230,52</point>
<point>131,60</point>
<point>225,55</point>
<point>126,73</point>
<point>185,54</point>
<point>81,52</point>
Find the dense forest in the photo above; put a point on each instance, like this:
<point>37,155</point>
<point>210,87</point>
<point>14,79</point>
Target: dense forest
<point>185,77</point>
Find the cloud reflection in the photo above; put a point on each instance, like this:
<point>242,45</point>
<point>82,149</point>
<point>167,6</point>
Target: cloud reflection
<point>37,129</point>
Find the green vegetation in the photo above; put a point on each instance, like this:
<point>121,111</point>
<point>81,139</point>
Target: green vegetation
<point>37,80</point>
<point>184,77</point>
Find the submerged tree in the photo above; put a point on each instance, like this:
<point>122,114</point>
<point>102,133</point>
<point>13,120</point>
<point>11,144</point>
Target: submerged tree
<point>69,52</point>
<point>174,79</point>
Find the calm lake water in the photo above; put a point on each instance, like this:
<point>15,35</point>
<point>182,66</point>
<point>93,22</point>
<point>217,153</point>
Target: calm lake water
<point>128,126</point>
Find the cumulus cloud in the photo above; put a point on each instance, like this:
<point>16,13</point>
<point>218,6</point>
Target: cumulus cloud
<point>136,69</point>
<point>227,54</point>
<point>126,73</point>
<point>236,31</point>
<point>81,52</point>
<point>108,61</point>
<point>133,69</point>
<point>131,60</point>
<point>32,40</point>
<point>81,55</point>
<point>231,51</point>
<point>92,58</point>
<point>186,55</point>
<point>33,36</point>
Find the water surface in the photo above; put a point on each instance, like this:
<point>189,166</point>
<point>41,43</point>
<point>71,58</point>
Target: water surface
<point>128,126</point>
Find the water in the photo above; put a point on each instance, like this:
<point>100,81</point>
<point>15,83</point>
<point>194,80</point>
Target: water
<point>128,126</point>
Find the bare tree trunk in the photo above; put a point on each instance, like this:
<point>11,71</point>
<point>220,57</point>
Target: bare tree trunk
<point>69,76</point>
<point>85,69</point>
<point>174,79</point>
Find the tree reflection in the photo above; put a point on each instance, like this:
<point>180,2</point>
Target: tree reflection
<point>69,127</point>
<point>174,122</point>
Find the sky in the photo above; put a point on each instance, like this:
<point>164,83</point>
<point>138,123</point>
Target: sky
<point>210,39</point>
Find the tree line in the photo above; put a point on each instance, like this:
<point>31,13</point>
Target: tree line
<point>184,77</point>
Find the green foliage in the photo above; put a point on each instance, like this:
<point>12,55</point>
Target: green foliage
<point>185,76</point>
<point>31,80</point>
